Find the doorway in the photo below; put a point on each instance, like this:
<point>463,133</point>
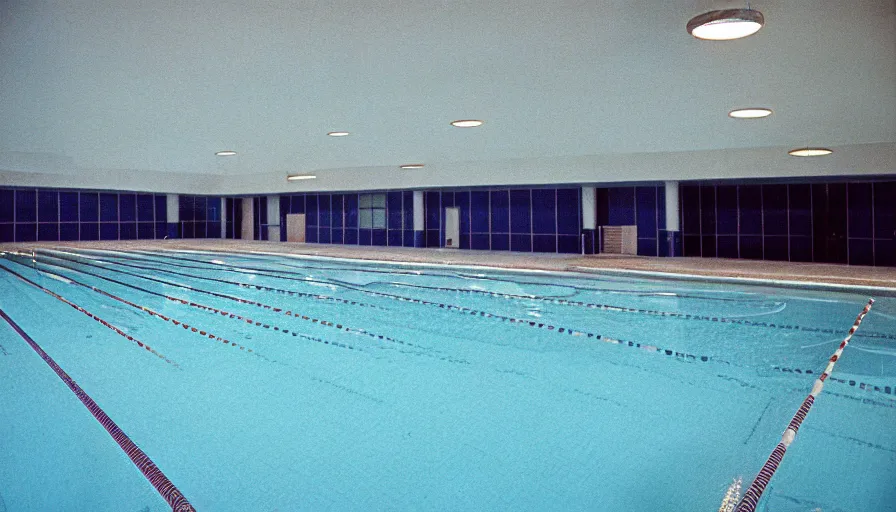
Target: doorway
<point>452,228</point>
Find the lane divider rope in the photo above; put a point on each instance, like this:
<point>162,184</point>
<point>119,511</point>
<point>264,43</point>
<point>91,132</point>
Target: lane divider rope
<point>754,493</point>
<point>169,492</point>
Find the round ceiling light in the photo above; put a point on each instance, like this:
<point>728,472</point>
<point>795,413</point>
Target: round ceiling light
<point>750,113</point>
<point>726,24</point>
<point>466,123</point>
<point>337,134</point>
<point>412,166</point>
<point>225,153</point>
<point>807,151</point>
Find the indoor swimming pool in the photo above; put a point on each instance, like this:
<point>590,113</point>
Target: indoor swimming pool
<point>279,383</point>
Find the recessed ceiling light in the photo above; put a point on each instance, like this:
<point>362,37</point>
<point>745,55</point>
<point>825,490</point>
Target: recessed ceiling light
<point>466,123</point>
<point>807,151</point>
<point>726,24</point>
<point>225,153</point>
<point>297,177</point>
<point>750,113</point>
<point>337,134</point>
<point>412,166</point>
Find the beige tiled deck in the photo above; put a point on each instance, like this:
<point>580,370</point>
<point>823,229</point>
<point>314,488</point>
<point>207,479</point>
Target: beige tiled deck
<point>715,268</point>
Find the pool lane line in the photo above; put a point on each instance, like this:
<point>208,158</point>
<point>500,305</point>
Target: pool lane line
<point>166,489</point>
<point>314,296</point>
<point>754,493</point>
<point>221,312</point>
<point>323,322</point>
<point>130,338</point>
<point>565,302</point>
<point>151,312</point>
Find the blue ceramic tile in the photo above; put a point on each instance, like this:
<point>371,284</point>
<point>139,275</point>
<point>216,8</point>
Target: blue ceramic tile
<point>48,232</point>
<point>68,232</point>
<point>775,248</point>
<point>860,214</point>
<point>109,231</point>
<point>500,242</point>
<point>108,210</point>
<point>647,246</point>
<point>690,213</point>
<point>285,204</point>
<point>408,209</point>
<point>621,201</point>
<point>263,209</point>
<point>774,210</point>
<point>323,208</point>
<point>500,213</point>
<point>708,246</point>
<point>708,211</point>
<point>47,206</point>
<point>378,237</point>
<point>462,201</point>
<point>351,211</point>
<point>200,209</point>
<point>145,208</point>
<point>645,200</point>
<point>68,206</point>
<point>751,247</point>
<point>885,253</point>
<point>800,211</point>
<point>213,229</point>
<point>479,211</point>
<point>692,245</point>
<point>419,238</point>
<point>337,211</point>
<point>161,208</point>
<point>520,213</point>
<point>544,243</point>
<point>26,207</point>
<point>7,232</point>
<point>311,234</point>
<point>127,231</point>
<point>7,205</point>
<point>447,199</point>
<point>311,204</point>
<point>521,243</point>
<point>464,241</point>
<point>26,232</point>
<point>365,237</point>
<point>146,230</point>
<point>433,211</point>
<point>749,198</point>
<point>394,213</point>
<point>661,208</point>
<point>337,236</point>
<point>324,235</point>
<point>568,211</point>
<point>171,230</point>
<point>89,230</point>
<point>297,204</point>
<point>199,230</point>
<point>89,207</point>
<point>408,238</point>
<point>395,238</point>
<point>861,252</point>
<point>186,208</point>
<point>569,244</point>
<point>885,210</point>
<point>727,246</point>
<point>127,207</point>
<point>351,236</point>
<point>213,209</point>
<point>726,211</point>
<point>544,213</point>
<point>480,241</point>
<point>432,238</point>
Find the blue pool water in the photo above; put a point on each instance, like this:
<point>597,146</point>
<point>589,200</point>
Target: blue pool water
<point>362,386</point>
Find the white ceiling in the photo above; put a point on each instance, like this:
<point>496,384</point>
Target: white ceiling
<point>162,85</point>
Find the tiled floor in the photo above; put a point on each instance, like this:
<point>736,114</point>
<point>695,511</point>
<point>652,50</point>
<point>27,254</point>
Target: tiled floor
<point>722,268</point>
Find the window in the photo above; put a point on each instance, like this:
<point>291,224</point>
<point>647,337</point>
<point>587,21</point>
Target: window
<point>372,211</point>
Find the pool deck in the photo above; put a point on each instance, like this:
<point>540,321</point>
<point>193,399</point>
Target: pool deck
<point>715,269</point>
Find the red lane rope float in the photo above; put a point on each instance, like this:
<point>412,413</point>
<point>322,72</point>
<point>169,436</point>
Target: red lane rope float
<point>449,307</point>
<point>169,492</point>
<point>91,315</point>
<point>754,493</point>
<point>186,326</point>
<point>511,296</point>
<point>293,293</point>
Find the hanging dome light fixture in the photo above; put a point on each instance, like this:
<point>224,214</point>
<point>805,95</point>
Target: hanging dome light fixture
<point>726,24</point>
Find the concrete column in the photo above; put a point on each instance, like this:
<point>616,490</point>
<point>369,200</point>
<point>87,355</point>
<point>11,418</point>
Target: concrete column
<point>589,220</point>
<point>223,211</point>
<point>419,215</point>
<point>274,219</point>
<point>247,230</point>
<point>172,203</point>
<point>673,228</point>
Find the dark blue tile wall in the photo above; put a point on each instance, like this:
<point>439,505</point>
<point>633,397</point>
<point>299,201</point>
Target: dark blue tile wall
<point>52,215</point>
<point>851,223</point>
<point>644,207</point>
<point>200,216</point>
